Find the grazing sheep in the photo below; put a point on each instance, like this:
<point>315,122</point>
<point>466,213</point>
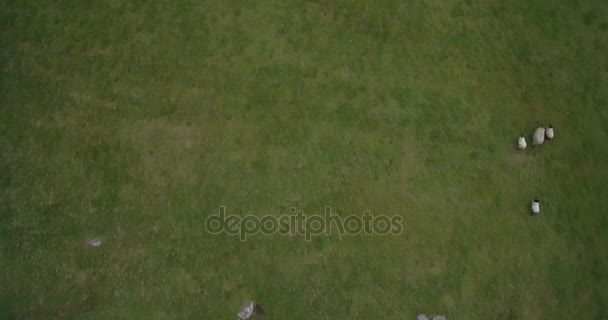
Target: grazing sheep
<point>535,206</point>
<point>539,136</point>
<point>521,142</point>
<point>549,132</point>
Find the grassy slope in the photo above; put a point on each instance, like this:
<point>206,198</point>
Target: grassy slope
<point>135,121</point>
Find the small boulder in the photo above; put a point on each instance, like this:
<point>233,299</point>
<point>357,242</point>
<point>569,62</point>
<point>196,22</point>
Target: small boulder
<point>250,311</point>
<point>95,242</point>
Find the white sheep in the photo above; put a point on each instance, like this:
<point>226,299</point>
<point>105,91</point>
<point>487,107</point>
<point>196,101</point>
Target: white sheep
<point>521,142</point>
<point>549,132</point>
<point>535,206</point>
<point>539,136</point>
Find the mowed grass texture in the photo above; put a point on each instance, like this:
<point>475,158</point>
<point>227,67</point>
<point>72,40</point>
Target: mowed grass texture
<point>134,121</point>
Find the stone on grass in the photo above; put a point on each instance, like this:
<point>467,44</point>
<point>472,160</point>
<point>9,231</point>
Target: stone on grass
<point>422,317</point>
<point>250,311</point>
<point>95,242</point>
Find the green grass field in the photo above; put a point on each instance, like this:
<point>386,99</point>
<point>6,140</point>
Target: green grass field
<point>134,121</point>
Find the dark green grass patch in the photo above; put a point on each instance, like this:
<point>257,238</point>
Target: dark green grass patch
<point>135,121</point>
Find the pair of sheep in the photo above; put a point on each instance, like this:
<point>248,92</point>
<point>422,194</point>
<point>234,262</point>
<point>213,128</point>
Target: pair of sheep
<point>538,138</point>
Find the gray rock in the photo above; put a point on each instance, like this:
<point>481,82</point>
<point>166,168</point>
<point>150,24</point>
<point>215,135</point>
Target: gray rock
<point>422,317</point>
<point>250,311</point>
<point>95,242</point>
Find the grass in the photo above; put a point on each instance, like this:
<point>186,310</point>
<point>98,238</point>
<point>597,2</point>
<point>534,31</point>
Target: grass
<point>134,121</point>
